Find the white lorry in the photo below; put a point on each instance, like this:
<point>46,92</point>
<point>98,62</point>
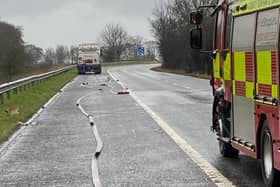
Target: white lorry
<point>89,59</point>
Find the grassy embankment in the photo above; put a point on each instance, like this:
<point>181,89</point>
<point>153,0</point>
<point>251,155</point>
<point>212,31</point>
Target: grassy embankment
<point>180,72</point>
<point>29,101</point>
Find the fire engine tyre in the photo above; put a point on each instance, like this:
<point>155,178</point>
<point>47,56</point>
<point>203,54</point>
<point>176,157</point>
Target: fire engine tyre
<point>270,175</point>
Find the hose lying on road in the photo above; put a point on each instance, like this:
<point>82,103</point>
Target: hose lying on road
<point>99,147</point>
<point>112,89</point>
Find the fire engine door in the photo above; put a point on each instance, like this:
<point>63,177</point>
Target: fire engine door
<point>222,60</point>
<point>217,51</point>
<point>243,83</point>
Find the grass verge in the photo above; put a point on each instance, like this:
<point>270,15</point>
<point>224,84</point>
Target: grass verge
<point>180,72</point>
<point>29,101</point>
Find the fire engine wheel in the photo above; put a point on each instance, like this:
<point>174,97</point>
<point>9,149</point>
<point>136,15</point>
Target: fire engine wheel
<point>270,175</point>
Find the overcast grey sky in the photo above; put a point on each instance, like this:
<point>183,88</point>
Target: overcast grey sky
<point>47,23</point>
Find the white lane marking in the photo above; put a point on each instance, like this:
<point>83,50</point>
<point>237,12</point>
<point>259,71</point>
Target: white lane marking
<point>217,177</point>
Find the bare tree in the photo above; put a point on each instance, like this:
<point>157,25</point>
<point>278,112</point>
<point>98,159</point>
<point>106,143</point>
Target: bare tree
<point>11,51</point>
<point>114,40</point>
<point>61,54</point>
<point>33,55</point>
<point>50,56</point>
<point>74,54</point>
<point>170,26</point>
<point>138,41</point>
<point>150,49</point>
<point>133,42</point>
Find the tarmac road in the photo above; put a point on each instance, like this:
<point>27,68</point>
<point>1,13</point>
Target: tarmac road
<point>56,149</point>
<point>184,103</point>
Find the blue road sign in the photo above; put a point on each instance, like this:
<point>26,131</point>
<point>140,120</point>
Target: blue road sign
<point>140,51</point>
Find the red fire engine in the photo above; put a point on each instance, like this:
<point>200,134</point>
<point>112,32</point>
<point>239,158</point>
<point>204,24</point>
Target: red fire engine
<point>245,80</point>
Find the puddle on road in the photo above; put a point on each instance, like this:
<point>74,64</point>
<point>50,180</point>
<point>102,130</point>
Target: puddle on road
<point>205,99</point>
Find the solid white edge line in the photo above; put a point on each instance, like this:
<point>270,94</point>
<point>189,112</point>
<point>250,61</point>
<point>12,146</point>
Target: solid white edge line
<point>217,177</point>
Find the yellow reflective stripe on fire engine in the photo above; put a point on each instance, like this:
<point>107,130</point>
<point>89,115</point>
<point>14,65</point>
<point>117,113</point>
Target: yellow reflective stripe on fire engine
<point>264,67</point>
<point>239,66</point>
<point>250,90</point>
<point>233,87</point>
<point>216,66</point>
<point>265,85</point>
<point>241,86</point>
<point>274,91</point>
<point>246,6</point>
<point>227,72</point>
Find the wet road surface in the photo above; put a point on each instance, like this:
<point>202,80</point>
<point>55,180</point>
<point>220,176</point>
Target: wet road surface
<point>185,104</point>
<point>56,148</point>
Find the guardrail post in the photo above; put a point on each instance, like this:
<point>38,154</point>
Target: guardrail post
<point>1,99</point>
<point>8,95</point>
<point>15,91</point>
